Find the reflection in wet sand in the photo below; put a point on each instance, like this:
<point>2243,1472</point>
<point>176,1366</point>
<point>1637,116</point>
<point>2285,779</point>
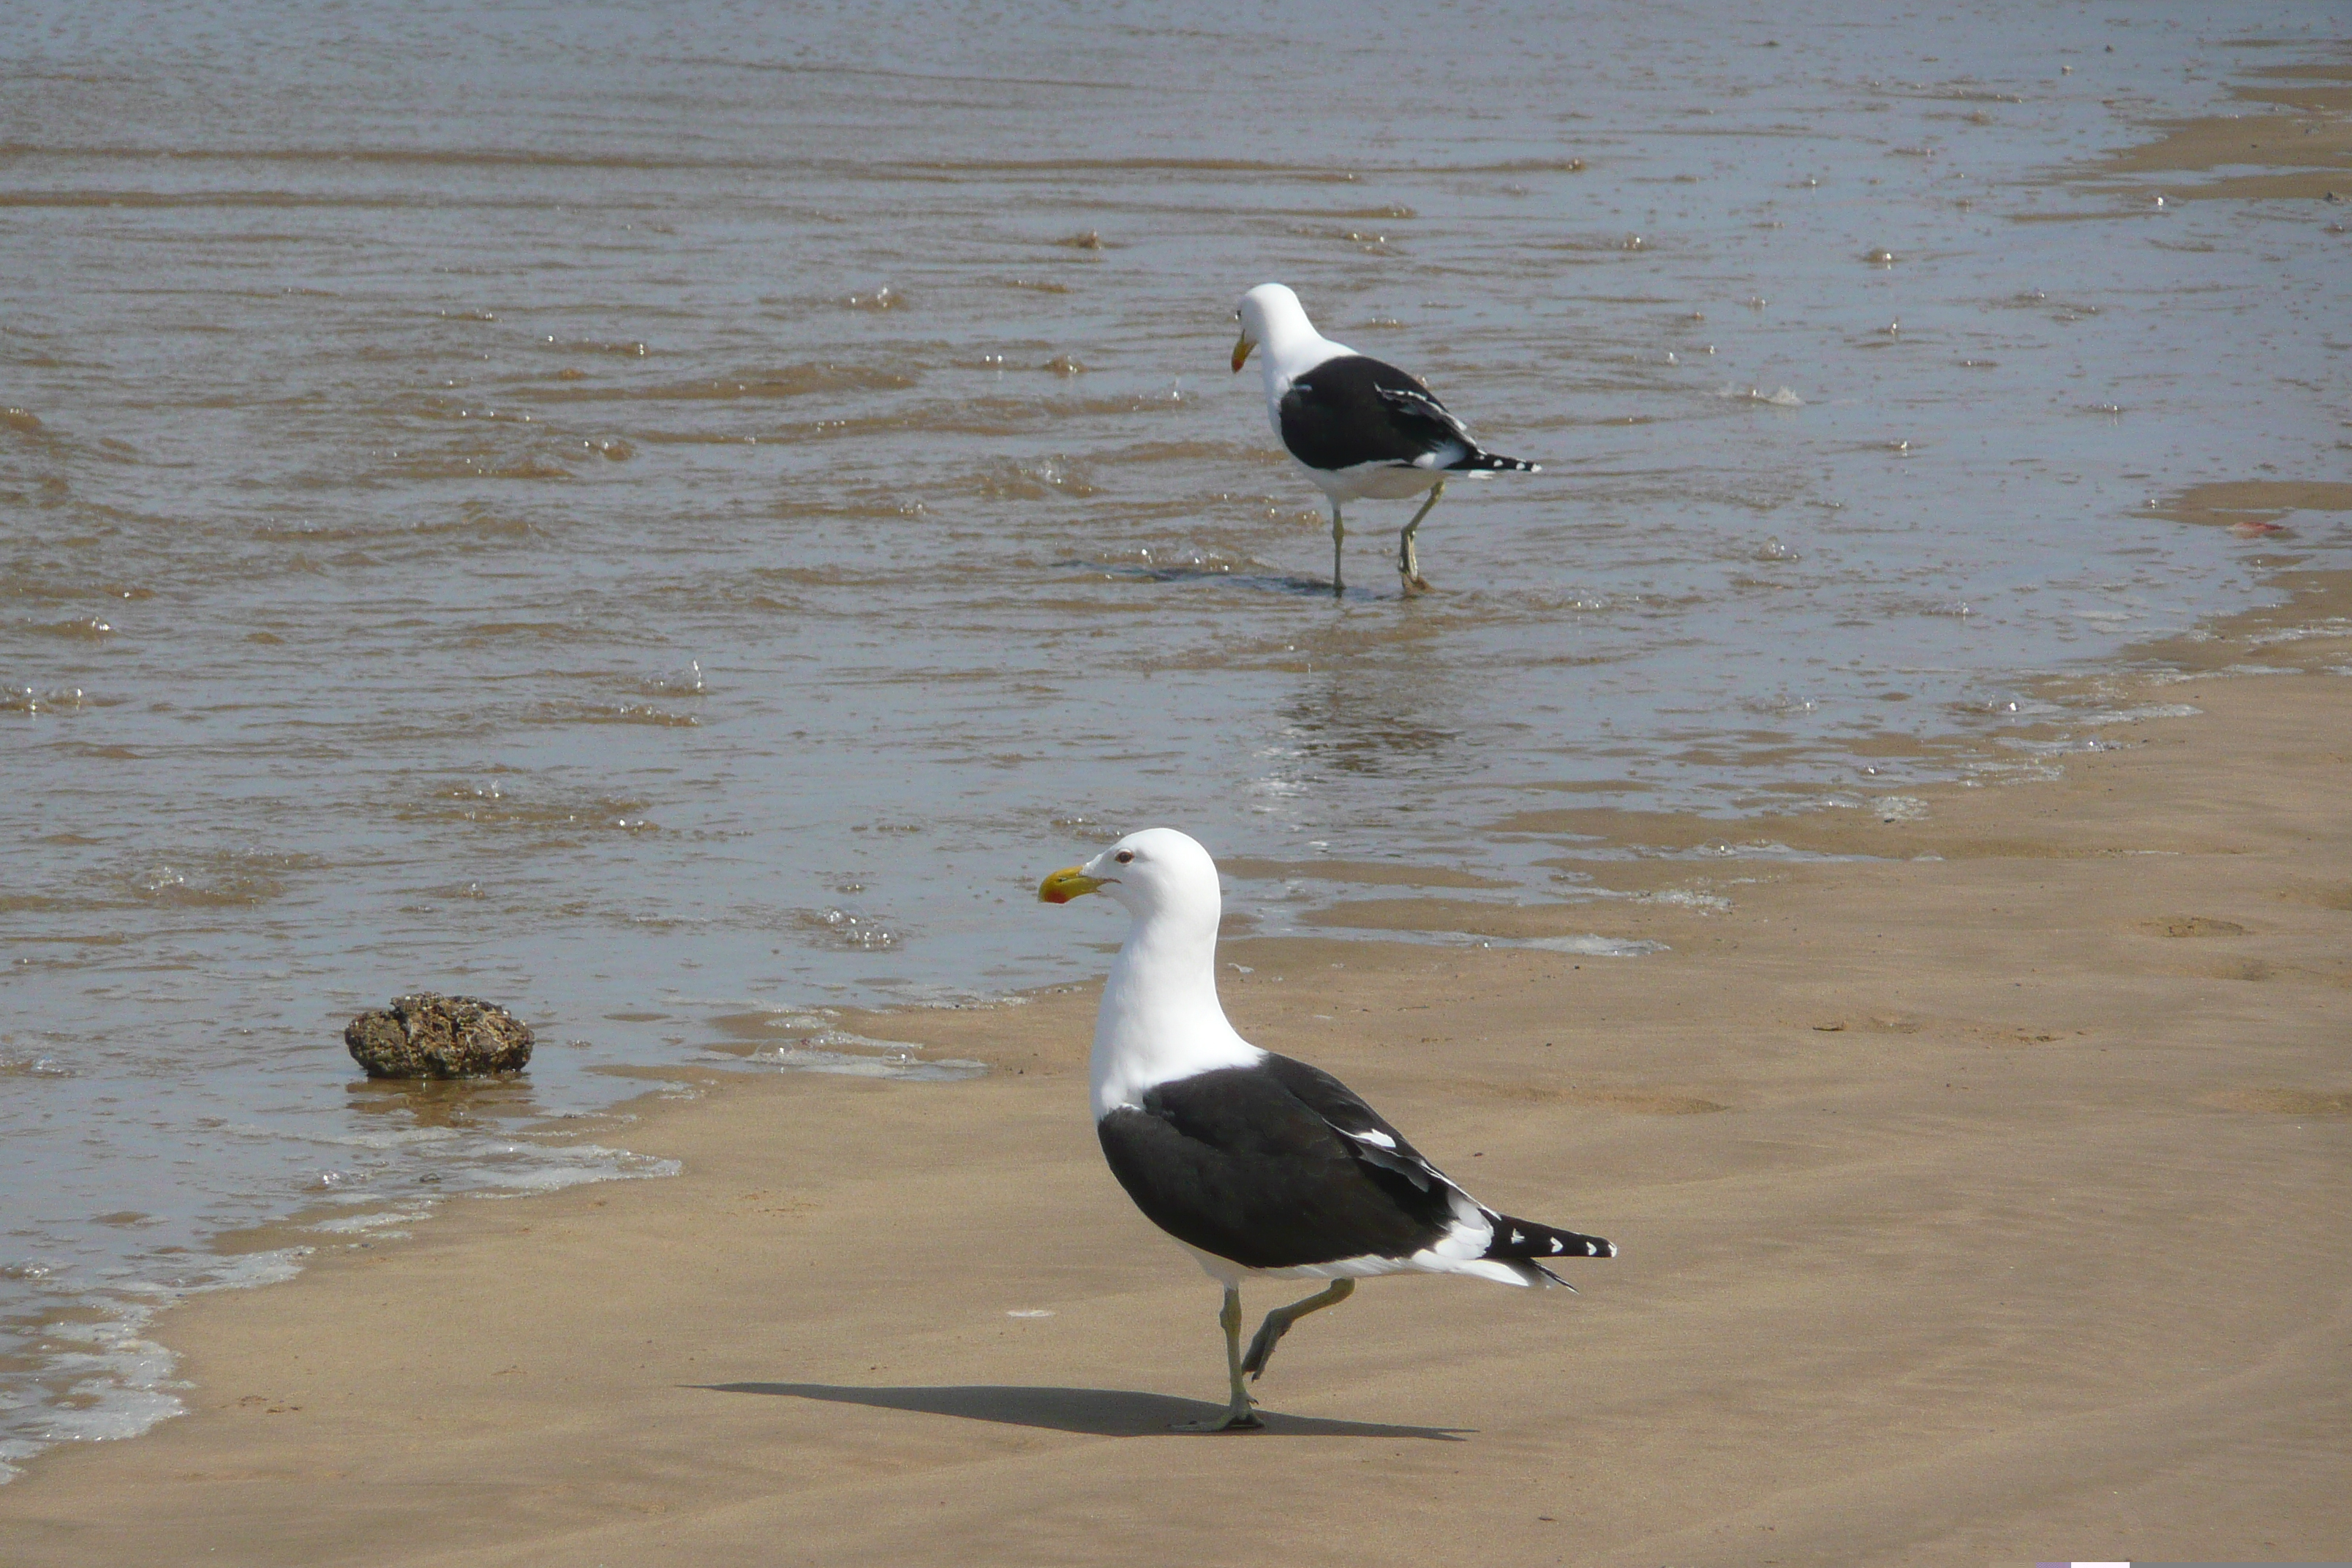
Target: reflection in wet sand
<point>454,1103</point>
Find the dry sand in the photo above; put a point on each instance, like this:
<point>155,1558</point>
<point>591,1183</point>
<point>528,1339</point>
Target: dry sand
<point>1982,1200</point>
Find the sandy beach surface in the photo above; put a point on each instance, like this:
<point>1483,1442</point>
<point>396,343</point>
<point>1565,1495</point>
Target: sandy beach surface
<point>1981,1199</point>
<point>1978,1158</point>
<point>670,525</point>
<point>2305,154</point>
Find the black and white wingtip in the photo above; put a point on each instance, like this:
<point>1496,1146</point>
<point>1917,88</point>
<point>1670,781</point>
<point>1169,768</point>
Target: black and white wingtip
<point>1517,1239</point>
<point>1524,1247</point>
<point>1489,463</point>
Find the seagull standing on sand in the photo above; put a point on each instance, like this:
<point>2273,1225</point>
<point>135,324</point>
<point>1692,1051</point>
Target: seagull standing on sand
<point>1357,426</point>
<point>1261,1166</point>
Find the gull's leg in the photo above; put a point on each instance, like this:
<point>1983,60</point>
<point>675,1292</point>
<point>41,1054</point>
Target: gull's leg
<point>1339,532</point>
<point>1277,1323</point>
<point>1408,559</point>
<point>1238,1415</point>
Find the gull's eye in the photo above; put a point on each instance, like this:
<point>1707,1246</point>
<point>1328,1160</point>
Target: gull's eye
<point>1125,855</point>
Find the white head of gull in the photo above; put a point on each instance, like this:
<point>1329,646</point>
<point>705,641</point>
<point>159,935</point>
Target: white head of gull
<point>1260,1166</point>
<point>1273,319</point>
<point>1160,1017</point>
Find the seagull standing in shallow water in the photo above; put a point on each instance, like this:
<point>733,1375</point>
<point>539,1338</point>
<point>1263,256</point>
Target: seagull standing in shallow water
<point>1261,1166</point>
<point>1357,426</point>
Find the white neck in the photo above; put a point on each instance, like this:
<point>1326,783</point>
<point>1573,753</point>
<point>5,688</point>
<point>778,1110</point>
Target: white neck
<point>1160,1017</point>
<point>1289,346</point>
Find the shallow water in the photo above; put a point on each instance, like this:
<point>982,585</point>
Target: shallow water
<point>665,522</point>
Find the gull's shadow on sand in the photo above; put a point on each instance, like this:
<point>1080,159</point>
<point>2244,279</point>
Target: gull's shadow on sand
<point>1098,1412</point>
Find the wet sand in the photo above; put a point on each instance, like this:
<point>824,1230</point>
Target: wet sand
<point>1980,1201</point>
<point>2294,130</point>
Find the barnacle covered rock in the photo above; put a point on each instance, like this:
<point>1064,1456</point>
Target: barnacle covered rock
<point>428,1036</point>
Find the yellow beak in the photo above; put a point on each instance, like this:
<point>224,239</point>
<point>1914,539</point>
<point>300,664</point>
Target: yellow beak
<point>1065,884</point>
<point>1241,350</point>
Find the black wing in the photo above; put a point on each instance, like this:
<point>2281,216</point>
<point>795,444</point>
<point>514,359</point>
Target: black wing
<point>1369,1135</point>
<point>1514,1240</point>
<point>1352,410</point>
<point>1275,1167</point>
